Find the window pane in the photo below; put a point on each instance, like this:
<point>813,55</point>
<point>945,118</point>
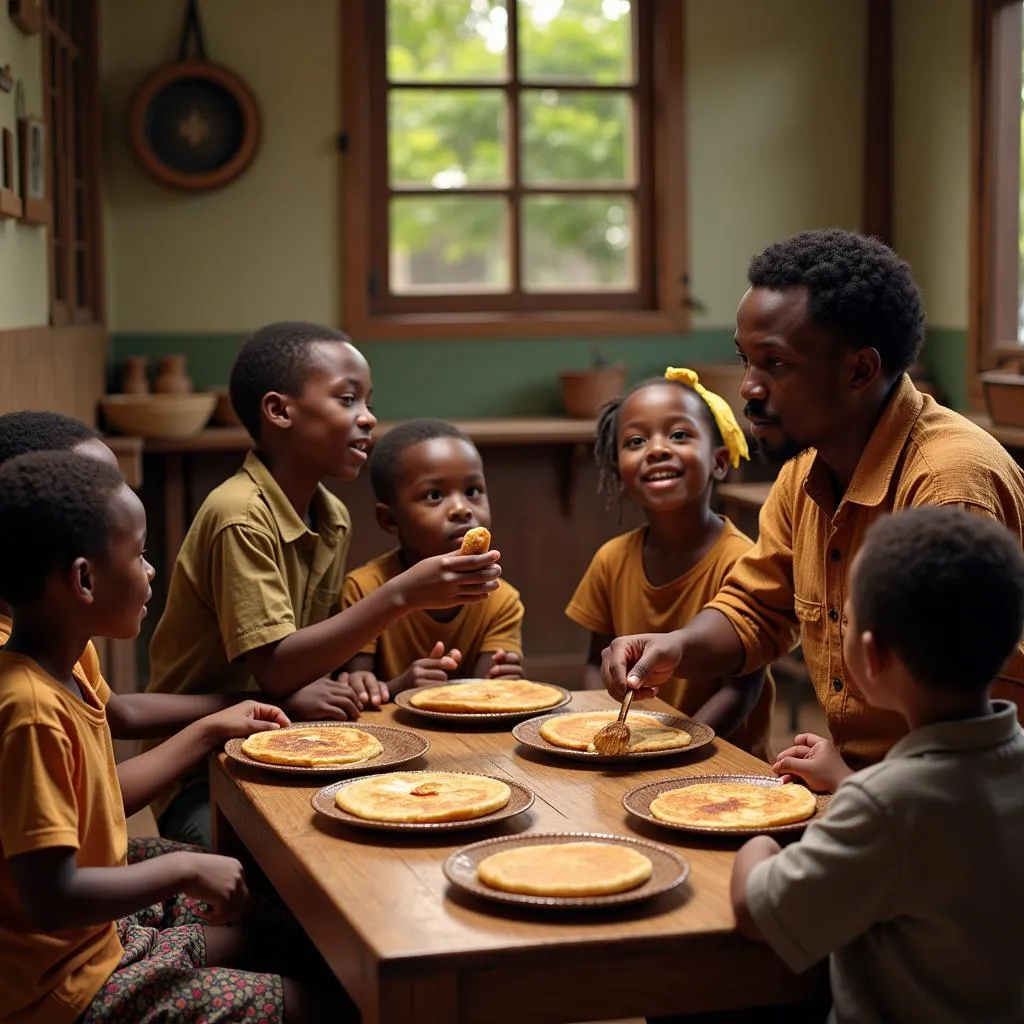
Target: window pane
<point>449,244</point>
<point>447,40</point>
<point>576,138</point>
<point>576,41</point>
<point>447,138</point>
<point>578,244</point>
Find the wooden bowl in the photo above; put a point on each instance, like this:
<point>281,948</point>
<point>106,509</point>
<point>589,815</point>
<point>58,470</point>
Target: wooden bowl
<point>584,392</point>
<point>224,411</point>
<point>171,415</point>
<point>1004,396</point>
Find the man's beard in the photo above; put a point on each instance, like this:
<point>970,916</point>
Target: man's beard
<point>779,454</point>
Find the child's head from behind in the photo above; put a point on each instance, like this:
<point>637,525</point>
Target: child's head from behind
<point>72,535</point>
<point>660,445</point>
<point>303,390</point>
<point>428,479</point>
<point>937,595</point>
<point>22,433</point>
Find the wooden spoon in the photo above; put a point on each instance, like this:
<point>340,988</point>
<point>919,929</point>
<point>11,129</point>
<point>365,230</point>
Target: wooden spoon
<point>613,739</point>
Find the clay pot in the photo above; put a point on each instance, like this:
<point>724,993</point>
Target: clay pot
<point>171,378</point>
<point>584,392</point>
<point>133,376</point>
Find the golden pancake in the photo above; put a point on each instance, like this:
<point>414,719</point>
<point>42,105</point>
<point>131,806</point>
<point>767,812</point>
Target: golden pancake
<point>577,731</point>
<point>311,746</point>
<point>734,805</point>
<point>487,696</point>
<point>423,797</point>
<point>566,869</point>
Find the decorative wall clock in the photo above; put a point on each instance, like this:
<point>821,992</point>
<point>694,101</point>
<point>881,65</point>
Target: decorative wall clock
<point>193,124</point>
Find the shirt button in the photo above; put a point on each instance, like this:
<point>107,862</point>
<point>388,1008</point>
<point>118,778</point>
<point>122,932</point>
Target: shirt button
<point>833,615</point>
<point>837,684</point>
<point>835,554</point>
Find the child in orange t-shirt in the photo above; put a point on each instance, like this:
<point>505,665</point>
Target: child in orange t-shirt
<point>664,444</point>
<point>84,936</point>
<point>429,483</point>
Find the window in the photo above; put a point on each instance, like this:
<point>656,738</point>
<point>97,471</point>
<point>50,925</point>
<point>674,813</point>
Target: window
<point>70,82</point>
<point>513,162</point>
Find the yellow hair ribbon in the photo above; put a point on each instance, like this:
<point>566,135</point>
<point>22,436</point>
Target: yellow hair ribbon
<point>732,435</point>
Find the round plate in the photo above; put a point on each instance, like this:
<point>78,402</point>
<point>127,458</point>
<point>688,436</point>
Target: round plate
<point>400,747</point>
<point>638,801</point>
<point>520,800</point>
<point>403,701</point>
<point>528,733</point>
<point>669,870</point>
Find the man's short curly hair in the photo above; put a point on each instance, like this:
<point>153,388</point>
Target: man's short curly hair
<point>276,358</point>
<point>944,590</point>
<point>857,287</point>
<point>30,431</point>
<point>54,507</point>
<point>386,459</point>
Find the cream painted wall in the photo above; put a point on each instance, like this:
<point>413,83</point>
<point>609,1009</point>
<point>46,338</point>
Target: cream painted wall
<point>775,115</point>
<point>775,125</point>
<point>932,150</point>
<point>24,293</point>
<point>264,248</point>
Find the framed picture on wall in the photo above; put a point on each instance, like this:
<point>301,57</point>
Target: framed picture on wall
<point>32,153</point>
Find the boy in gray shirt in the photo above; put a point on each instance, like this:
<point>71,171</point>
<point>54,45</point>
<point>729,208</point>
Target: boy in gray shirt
<point>913,881</point>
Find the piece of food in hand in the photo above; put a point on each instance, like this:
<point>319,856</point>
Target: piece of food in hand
<point>487,696</point>
<point>734,805</point>
<point>423,797</point>
<point>577,731</point>
<point>565,869</point>
<point>476,541</point>
<point>310,746</point>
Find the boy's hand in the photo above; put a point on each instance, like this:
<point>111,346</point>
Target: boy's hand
<point>430,671</point>
<point>325,698</point>
<point>445,581</point>
<point>220,883</point>
<point>642,663</point>
<point>244,719</point>
<point>815,760</point>
<point>505,665</point>
<point>368,689</point>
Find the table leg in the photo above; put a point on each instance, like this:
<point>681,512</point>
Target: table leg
<point>418,999</point>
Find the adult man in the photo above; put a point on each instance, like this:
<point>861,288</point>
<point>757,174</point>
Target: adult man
<point>826,331</point>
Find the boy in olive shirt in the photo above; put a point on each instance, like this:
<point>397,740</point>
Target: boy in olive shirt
<point>260,572</point>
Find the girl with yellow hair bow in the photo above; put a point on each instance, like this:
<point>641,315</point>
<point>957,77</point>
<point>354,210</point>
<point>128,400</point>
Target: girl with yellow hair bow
<point>664,445</point>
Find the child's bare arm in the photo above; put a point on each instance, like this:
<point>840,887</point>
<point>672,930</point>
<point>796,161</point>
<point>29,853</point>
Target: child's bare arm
<point>726,709</point>
<point>146,775</point>
<point>141,716</point>
<point>750,854</point>
<point>592,670</point>
<point>58,895</point>
<point>443,581</point>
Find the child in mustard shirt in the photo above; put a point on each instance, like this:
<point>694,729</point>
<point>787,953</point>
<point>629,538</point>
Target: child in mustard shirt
<point>664,444</point>
<point>254,594</point>
<point>84,936</point>
<point>429,483</point>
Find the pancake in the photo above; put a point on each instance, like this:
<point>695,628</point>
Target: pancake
<point>565,869</point>
<point>487,696</point>
<point>577,731</point>
<point>312,746</point>
<point>734,805</point>
<point>423,797</point>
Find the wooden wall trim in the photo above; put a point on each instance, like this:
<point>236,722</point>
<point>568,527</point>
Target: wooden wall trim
<point>877,211</point>
<point>59,369</point>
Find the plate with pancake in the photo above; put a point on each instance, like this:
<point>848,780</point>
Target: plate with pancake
<point>728,805</point>
<point>426,801</point>
<point>328,748</point>
<point>653,734</point>
<point>566,870</point>
<point>483,700</point>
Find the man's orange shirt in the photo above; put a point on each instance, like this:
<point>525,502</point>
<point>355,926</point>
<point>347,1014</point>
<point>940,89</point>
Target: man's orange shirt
<point>795,579</point>
<point>56,748</point>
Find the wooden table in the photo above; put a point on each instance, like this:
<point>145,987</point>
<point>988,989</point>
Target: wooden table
<point>410,950</point>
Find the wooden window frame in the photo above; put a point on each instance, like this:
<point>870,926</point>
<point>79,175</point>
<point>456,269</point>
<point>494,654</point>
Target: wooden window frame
<point>75,299</point>
<point>663,303</point>
<point>995,188</point>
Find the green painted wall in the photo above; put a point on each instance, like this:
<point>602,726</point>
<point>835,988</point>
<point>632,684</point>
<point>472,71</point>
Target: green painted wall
<point>945,354</point>
<point>498,377</point>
